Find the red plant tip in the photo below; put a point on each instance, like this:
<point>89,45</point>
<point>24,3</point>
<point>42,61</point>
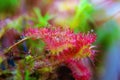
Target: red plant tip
<point>66,46</point>
<point>79,69</point>
<point>64,43</point>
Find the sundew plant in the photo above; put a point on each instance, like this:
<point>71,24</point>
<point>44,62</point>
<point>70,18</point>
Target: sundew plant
<point>59,40</point>
<point>62,47</point>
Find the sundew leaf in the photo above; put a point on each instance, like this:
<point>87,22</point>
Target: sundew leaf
<point>83,14</point>
<point>63,41</point>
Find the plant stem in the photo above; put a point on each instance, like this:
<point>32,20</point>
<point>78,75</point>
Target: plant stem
<point>7,50</point>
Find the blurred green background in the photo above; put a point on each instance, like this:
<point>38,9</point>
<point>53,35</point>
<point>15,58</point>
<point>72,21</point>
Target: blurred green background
<point>98,16</point>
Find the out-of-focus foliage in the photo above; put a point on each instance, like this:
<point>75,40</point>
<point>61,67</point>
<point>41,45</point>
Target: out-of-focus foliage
<point>16,24</point>
<point>108,34</point>
<point>38,45</point>
<point>41,20</point>
<point>41,57</point>
<point>8,7</point>
<point>83,15</point>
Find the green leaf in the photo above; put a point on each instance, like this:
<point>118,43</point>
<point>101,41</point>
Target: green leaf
<point>83,14</point>
<point>108,33</point>
<point>36,45</point>
<point>42,20</point>
<point>27,73</point>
